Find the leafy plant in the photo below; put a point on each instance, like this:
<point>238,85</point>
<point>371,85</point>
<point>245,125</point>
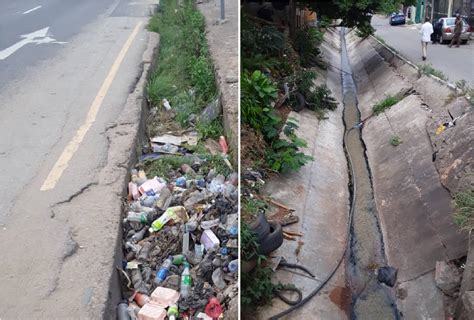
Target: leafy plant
<point>307,41</point>
<point>395,141</point>
<point>464,210</point>
<point>283,154</point>
<point>257,95</point>
<point>385,104</point>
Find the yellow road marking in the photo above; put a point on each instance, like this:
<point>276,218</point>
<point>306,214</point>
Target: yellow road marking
<point>74,144</point>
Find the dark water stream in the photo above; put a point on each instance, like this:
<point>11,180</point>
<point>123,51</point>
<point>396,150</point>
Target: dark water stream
<point>370,299</point>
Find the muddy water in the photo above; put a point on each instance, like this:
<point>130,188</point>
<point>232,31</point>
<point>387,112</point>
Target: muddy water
<point>370,299</point>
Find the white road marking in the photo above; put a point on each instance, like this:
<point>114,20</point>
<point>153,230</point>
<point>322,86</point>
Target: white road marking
<point>73,145</point>
<point>31,10</point>
<point>38,37</point>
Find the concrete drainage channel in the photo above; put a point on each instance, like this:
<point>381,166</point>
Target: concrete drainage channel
<point>370,298</point>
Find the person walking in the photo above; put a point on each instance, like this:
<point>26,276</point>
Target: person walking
<point>457,31</point>
<point>426,31</point>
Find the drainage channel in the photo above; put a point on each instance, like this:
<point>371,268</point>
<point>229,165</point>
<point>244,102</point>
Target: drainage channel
<point>370,299</point>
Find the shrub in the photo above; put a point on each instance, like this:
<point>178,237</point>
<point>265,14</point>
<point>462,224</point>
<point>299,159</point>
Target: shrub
<point>395,141</point>
<point>428,69</point>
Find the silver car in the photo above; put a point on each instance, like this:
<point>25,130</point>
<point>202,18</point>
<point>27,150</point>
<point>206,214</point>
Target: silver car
<point>444,29</point>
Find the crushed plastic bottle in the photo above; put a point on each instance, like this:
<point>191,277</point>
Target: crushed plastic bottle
<point>181,182</point>
<point>233,266</point>
<point>164,269</point>
<point>122,311</point>
<point>166,104</point>
<point>173,312</point>
<point>186,281</point>
<point>141,217</point>
<point>178,259</point>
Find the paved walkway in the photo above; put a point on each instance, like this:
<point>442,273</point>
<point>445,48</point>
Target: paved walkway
<point>456,63</point>
<point>222,38</point>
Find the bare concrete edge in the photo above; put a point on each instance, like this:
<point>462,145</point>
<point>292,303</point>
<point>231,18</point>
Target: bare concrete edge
<point>230,120</point>
<point>398,56</point>
<point>136,104</point>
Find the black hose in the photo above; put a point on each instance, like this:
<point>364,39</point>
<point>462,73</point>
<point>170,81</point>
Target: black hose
<point>277,292</point>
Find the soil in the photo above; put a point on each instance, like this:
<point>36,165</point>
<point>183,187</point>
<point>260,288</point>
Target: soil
<point>252,147</point>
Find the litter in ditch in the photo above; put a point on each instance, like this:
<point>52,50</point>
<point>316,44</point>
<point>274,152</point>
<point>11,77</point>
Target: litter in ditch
<point>180,238</point>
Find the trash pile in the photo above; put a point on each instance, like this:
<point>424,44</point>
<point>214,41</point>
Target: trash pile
<point>180,244</point>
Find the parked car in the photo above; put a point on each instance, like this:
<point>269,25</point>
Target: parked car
<point>444,30</point>
<point>397,18</point>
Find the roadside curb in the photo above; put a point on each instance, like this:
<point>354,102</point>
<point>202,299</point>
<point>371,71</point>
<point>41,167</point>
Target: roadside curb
<point>396,54</point>
<point>124,136</point>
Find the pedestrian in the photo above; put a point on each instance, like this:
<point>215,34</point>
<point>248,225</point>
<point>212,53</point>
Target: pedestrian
<point>457,31</point>
<point>426,31</point>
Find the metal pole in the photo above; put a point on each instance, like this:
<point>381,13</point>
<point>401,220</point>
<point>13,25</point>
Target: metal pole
<point>222,10</point>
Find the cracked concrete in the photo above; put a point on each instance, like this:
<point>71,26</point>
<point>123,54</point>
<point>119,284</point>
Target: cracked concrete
<point>62,263</point>
<point>412,200</point>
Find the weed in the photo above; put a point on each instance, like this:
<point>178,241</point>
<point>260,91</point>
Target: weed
<point>163,166</point>
<point>251,206</point>
<point>428,69</point>
<point>395,141</point>
<point>385,104</point>
<point>410,22</point>
<point>210,129</point>
<point>379,38</point>
<point>307,42</point>
<point>464,210</point>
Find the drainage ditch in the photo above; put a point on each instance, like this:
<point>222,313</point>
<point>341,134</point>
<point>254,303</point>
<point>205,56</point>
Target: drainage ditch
<point>370,299</point>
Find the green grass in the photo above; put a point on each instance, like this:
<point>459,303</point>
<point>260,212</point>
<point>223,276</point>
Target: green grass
<point>464,210</point>
<point>184,74</point>
<point>385,104</point>
<point>428,69</point>
<point>395,141</point>
<point>168,163</point>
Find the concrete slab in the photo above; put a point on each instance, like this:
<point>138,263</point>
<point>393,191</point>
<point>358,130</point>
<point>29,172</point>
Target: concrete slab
<point>424,299</point>
<point>319,195</point>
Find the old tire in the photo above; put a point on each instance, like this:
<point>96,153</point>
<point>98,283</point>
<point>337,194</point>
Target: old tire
<point>300,102</point>
<point>273,241</point>
<point>260,227</point>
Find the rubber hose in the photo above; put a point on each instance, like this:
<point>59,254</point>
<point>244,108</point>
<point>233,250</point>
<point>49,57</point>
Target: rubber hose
<point>336,266</point>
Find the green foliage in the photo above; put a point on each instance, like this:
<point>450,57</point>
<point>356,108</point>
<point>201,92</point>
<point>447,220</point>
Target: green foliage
<point>307,41</point>
<point>385,104</point>
<point>283,154</point>
<point>318,98</point>
<point>210,130</point>
<point>184,63</point>
<point>248,242</point>
<point>256,96</point>
<point>428,69</point>
<point>464,210</point>
<point>257,287</point>
<point>395,141</point>
<point>251,206</point>
<point>267,40</point>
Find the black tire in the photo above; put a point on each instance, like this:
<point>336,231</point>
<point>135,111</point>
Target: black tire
<point>261,227</point>
<point>463,41</point>
<point>273,241</point>
<point>300,102</point>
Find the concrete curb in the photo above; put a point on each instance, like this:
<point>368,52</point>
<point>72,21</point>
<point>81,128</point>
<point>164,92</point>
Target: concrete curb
<point>124,137</point>
<point>397,55</point>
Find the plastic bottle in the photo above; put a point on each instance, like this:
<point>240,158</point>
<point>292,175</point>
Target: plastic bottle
<point>166,104</point>
<point>173,312</point>
<point>141,217</point>
<point>164,269</point>
<point>138,236</point>
<point>233,266</point>
<point>186,281</point>
<point>161,221</point>
<point>122,311</point>
<point>179,259</point>
<point>181,182</point>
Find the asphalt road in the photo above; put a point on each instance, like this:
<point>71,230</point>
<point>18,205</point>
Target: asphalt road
<point>66,69</point>
<point>456,63</point>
